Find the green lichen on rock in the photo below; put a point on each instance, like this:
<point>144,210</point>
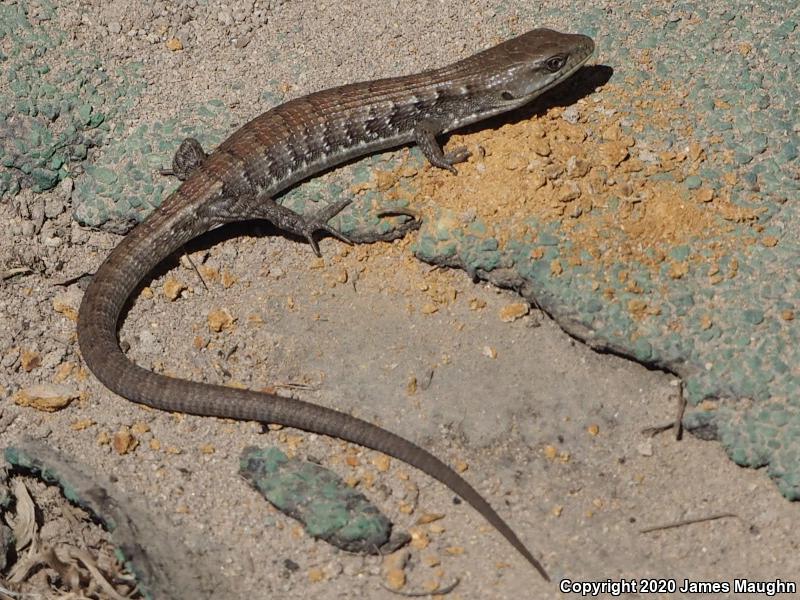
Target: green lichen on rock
<point>124,185</point>
<point>327,507</point>
<point>51,117</point>
<point>765,434</point>
<point>738,337</point>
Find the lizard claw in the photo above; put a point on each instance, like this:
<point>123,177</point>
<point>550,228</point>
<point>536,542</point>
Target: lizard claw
<point>314,227</point>
<point>455,156</point>
<point>399,212</point>
<point>319,222</point>
<point>397,230</point>
<point>335,233</point>
<point>326,214</point>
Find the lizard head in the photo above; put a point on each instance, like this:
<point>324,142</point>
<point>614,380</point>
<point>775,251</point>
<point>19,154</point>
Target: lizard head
<point>530,64</point>
<point>511,74</point>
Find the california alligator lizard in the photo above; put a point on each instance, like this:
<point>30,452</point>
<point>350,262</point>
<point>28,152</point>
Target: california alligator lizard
<point>273,152</point>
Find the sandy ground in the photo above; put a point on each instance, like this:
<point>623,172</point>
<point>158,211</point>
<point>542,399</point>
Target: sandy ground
<point>549,430</point>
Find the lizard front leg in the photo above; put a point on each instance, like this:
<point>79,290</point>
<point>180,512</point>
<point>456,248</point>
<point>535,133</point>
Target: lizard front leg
<point>425,133</point>
<point>188,157</point>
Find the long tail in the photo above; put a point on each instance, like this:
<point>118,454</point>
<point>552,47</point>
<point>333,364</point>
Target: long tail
<point>100,310</point>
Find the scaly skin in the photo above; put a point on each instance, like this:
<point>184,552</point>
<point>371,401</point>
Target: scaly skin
<point>270,154</point>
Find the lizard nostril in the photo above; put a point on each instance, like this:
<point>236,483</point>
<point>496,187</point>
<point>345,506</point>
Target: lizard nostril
<point>507,96</point>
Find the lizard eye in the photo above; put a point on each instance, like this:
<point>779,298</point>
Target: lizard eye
<point>507,96</point>
<point>555,63</point>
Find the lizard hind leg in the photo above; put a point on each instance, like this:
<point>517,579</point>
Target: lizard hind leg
<point>318,221</point>
<point>241,206</point>
<point>188,157</point>
<point>260,205</point>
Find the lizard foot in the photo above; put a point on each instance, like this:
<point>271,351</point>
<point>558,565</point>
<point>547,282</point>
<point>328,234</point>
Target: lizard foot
<point>425,133</point>
<point>457,155</point>
<point>396,232</point>
<point>188,157</point>
<point>309,225</point>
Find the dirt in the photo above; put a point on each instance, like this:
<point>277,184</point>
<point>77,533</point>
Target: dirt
<point>575,167</point>
<point>547,429</point>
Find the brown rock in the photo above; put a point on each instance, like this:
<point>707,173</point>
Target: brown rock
<point>47,397</point>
